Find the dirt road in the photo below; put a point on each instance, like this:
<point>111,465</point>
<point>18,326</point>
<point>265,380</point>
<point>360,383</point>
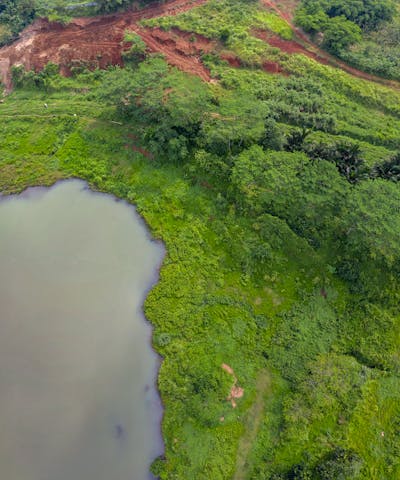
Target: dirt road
<point>97,42</point>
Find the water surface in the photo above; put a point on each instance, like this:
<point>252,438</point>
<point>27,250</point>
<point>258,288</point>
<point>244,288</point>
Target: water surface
<point>77,373</point>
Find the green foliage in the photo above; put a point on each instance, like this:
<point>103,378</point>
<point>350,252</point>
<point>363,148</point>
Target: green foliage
<point>374,221</point>
<point>390,169</point>
<point>230,22</point>
<point>105,6</point>
<point>290,186</point>
<point>361,32</point>
<point>367,14</point>
<point>14,16</point>
<point>340,464</point>
<point>153,95</point>
<point>281,264</point>
<point>42,80</point>
<point>340,33</point>
<point>137,50</point>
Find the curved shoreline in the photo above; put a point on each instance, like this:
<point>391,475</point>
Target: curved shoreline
<point>33,191</point>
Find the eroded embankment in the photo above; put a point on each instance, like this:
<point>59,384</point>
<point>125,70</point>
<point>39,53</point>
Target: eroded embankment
<point>97,42</point>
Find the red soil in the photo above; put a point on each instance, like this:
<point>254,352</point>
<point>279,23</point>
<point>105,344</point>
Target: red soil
<point>232,59</point>
<point>288,46</point>
<point>302,44</point>
<point>181,49</point>
<point>137,148</point>
<point>97,42</point>
<point>272,67</point>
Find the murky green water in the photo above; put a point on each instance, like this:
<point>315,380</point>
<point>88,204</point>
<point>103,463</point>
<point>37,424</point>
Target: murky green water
<point>77,372</point>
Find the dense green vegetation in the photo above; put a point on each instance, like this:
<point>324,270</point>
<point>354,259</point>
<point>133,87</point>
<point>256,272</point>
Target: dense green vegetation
<point>278,200</point>
<point>364,33</point>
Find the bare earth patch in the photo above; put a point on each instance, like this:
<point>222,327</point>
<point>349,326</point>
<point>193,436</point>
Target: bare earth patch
<point>235,392</point>
<point>97,42</point>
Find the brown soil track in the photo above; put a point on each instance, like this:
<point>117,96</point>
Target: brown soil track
<point>181,49</point>
<point>98,42</point>
<point>288,46</point>
<point>302,44</point>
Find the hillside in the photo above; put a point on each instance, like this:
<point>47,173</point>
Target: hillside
<point>270,169</point>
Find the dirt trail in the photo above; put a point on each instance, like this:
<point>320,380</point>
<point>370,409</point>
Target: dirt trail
<point>97,42</point>
<point>181,49</point>
<point>302,44</point>
<point>252,424</point>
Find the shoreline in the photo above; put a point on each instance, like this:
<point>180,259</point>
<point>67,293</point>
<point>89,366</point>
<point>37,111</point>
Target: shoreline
<point>35,191</point>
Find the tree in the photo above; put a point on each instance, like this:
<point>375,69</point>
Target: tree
<point>169,105</point>
<point>345,155</point>
<point>237,123</point>
<point>349,162</point>
<point>373,223</point>
<point>14,16</point>
<point>307,195</point>
<point>340,33</point>
<point>340,464</point>
<point>295,139</point>
<point>312,20</point>
<point>390,169</point>
<point>104,6</point>
<point>367,14</point>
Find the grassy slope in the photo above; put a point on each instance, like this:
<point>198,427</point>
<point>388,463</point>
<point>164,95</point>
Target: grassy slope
<point>209,308</point>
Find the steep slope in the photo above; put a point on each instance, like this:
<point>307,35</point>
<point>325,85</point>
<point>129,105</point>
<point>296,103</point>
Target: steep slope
<point>94,42</point>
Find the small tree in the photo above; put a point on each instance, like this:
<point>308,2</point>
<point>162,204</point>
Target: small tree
<point>137,51</point>
<point>340,33</point>
<point>349,162</point>
<point>340,464</point>
<point>295,139</point>
<point>104,6</point>
<point>389,170</point>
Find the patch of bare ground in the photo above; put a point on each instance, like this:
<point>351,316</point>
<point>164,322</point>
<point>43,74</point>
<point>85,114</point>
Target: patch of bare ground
<point>287,46</point>
<point>232,59</point>
<point>181,49</point>
<point>235,392</point>
<point>95,42</point>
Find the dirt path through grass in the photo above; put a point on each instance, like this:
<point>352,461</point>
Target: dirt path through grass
<point>252,424</point>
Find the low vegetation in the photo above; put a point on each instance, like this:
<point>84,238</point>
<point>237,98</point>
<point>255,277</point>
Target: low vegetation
<point>278,200</point>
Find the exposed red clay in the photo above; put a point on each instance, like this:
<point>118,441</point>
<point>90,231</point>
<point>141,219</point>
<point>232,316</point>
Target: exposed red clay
<point>137,148</point>
<point>302,43</point>
<point>288,46</point>
<point>95,42</point>
<point>232,59</point>
<point>181,49</point>
<point>141,150</point>
<point>272,67</point>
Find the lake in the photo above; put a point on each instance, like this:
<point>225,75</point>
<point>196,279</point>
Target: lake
<point>78,397</point>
